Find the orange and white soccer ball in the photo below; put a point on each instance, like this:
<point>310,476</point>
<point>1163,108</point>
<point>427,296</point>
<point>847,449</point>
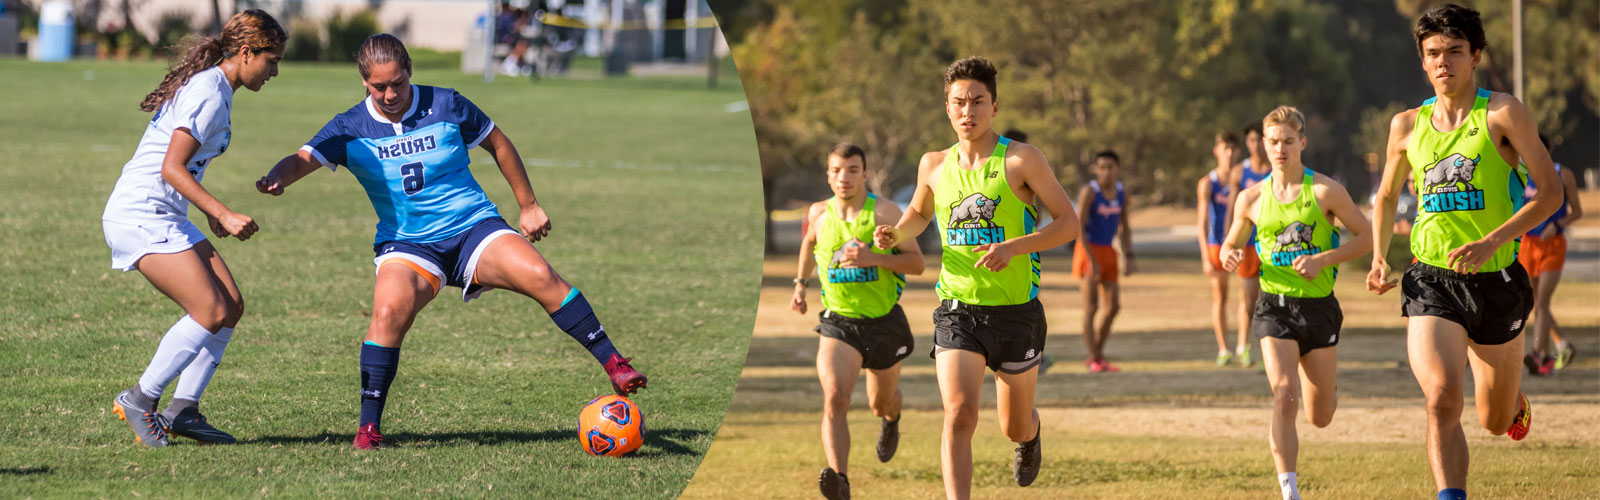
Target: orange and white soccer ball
<point>611,426</point>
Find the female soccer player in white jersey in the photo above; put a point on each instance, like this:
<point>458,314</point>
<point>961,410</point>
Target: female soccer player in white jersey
<point>407,145</point>
<point>147,223</point>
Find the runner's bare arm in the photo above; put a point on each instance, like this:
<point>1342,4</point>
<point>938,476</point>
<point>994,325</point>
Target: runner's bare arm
<point>1333,198</point>
<point>907,257</point>
<point>1202,197</point>
<point>1085,204</point>
<point>1395,170</point>
<point>1240,226</point>
<point>808,263</point>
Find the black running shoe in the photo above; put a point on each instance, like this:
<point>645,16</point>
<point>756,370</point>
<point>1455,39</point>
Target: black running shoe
<point>835,486</point>
<point>1532,362</point>
<point>1026,466</point>
<point>191,424</point>
<point>888,439</point>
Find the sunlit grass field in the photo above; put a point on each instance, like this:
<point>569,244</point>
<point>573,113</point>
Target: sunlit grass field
<point>653,188</point>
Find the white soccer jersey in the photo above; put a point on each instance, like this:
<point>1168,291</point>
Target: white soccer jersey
<point>202,106</point>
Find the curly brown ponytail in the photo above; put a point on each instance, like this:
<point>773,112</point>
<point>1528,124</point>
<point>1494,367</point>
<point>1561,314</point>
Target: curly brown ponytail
<point>254,28</point>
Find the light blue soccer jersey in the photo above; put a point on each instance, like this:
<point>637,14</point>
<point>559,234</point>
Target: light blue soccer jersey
<point>415,171</point>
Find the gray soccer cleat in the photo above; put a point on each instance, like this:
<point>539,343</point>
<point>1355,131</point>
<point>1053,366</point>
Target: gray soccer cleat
<point>148,426</point>
<point>191,424</point>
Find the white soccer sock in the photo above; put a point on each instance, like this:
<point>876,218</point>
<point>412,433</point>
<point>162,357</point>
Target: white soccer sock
<point>177,349</point>
<point>195,377</point>
<point>1287,482</point>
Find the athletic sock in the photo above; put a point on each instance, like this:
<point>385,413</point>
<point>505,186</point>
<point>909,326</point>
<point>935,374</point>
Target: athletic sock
<point>378,364</point>
<point>178,347</point>
<point>1452,494</point>
<point>1289,485</point>
<point>577,319</point>
<point>176,406</point>
<point>195,377</point>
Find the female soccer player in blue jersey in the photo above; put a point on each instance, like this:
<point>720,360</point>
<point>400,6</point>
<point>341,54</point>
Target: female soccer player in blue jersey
<point>407,145</point>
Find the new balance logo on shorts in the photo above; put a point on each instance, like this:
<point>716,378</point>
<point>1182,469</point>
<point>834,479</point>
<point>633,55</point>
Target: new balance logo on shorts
<point>900,351</point>
<point>1515,325</point>
<point>1028,355</point>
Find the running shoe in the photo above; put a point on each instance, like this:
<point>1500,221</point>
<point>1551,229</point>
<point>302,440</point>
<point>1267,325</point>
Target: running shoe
<point>1223,357</point>
<point>835,486</point>
<point>1093,365</point>
<point>367,437</point>
<point>624,379</point>
<point>1245,359</point>
<point>1523,421</point>
<point>191,424</point>
<point>1564,355</point>
<point>1531,361</point>
<point>1547,366</point>
<point>149,428</point>
<point>1025,467</point>
<point>888,439</point>
<point>1106,366</point>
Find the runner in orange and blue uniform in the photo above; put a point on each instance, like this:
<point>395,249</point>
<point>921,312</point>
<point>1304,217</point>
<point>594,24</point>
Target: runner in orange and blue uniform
<point>1103,207</point>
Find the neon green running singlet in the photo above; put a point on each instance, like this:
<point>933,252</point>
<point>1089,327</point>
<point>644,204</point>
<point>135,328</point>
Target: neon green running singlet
<point>975,207</point>
<point>1465,189</point>
<point>847,290</point>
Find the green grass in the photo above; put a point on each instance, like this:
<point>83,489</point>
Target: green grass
<point>653,192</point>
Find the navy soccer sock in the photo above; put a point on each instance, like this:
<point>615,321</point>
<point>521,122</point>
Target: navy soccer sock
<point>1452,494</point>
<point>577,319</point>
<point>378,364</point>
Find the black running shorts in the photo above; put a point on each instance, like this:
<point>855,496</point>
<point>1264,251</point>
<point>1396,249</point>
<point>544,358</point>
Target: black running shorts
<point>1010,338</point>
<point>1313,322</point>
<point>882,341</point>
<point>1492,306</point>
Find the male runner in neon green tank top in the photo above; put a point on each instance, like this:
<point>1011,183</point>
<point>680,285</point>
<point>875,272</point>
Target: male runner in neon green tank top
<point>982,190</point>
<point>1296,317</point>
<point>1466,294</point>
<point>862,325</point>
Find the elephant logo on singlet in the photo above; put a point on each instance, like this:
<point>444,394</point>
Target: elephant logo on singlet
<point>1447,185</point>
<point>842,271</point>
<point>972,222</point>
<point>1294,240</point>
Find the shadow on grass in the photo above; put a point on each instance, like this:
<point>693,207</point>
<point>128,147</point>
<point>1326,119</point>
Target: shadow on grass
<point>657,442</point>
<point>26,471</point>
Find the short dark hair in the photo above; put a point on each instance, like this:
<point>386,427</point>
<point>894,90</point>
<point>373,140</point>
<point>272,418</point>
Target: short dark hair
<point>845,150</point>
<point>1452,21</point>
<point>1016,135</point>
<point>1108,154</point>
<point>1254,127</point>
<point>1230,138</point>
<point>972,68</point>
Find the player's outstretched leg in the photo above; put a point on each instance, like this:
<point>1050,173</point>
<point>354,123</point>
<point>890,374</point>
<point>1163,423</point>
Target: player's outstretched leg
<point>838,367</point>
<point>1249,292</point>
<point>399,293</point>
<point>1436,348</point>
<point>514,264</point>
<point>1281,358</point>
<point>960,375</point>
<point>1219,317</point>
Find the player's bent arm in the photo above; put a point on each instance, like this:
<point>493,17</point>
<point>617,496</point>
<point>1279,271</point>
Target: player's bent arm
<point>1085,204</point>
<point>808,244</point>
<point>1243,218</point>
<point>505,155</point>
<point>1334,198</point>
<point>1203,196</point>
<point>1395,170</point>
<point>1569,187</point>
<point>907,256</point>
<point>920,211</point>
<point>1509,114</point>
<point>1038,176</point>
<point>288,170</point>
<point>175,170</point>
<point>1125,235</point>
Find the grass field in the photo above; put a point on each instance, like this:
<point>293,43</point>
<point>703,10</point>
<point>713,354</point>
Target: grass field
<point>653,190</point>
<point>1171,425</point>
